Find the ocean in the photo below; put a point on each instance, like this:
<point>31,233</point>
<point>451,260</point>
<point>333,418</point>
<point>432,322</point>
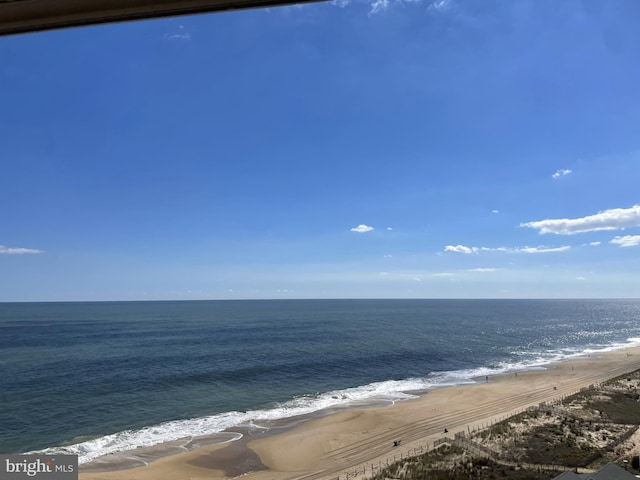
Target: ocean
<point>98,378</point>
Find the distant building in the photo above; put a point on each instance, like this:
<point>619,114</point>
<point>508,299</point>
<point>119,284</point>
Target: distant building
<point>609,472</point>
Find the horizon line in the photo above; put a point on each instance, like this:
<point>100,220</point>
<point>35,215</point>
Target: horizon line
<point>330,299</point>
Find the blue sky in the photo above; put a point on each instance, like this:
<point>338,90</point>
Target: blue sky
<point>424,148</point>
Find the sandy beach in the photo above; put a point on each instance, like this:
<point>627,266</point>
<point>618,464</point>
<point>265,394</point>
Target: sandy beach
<point>327,447</point>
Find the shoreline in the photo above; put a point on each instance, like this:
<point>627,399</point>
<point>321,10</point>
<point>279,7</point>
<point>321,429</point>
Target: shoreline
<point>323,447</point>
<point>348,398</point>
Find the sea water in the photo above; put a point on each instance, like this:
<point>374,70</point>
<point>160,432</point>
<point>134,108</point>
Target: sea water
<point>106,377</point>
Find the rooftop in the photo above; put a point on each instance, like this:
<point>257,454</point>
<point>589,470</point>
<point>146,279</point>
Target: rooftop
<point>23,16</point>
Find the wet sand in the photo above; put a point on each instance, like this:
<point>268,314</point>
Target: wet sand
<point>323,448</point>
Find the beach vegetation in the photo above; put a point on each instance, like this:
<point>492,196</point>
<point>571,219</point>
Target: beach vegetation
<point>618,407</point>
<point>551,445</point>
<point>452,463</point>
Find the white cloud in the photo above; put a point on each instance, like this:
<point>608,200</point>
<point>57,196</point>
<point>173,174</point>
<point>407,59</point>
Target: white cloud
<point>443,274</point>
<point>580,278</point>
<point>627,241</point>
<point>542,249</point>
<point>178,36</point>
<point>378,6</point>
<point>481,269</point>
<point>561,173</point>
<point>18,251</point>
<point>460,249</point>
<point>439,5</point>
<point>389,229</point>
<point>613,219</point>
<point>594,244</point>
<point>495,211</point>
<point>181,34</point>
<point>362,228</point>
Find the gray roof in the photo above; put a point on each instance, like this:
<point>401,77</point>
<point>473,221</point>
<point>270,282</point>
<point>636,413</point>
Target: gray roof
<point>21,16</point>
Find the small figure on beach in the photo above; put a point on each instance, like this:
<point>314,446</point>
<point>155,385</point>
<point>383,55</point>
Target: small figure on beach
<point>396,443</point>
<point>446,431</point>
<point>487,378</point>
